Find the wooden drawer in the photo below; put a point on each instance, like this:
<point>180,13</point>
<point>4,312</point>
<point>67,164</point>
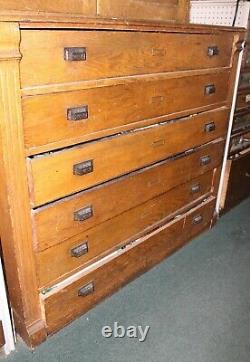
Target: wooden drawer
<point>163,10</point>
<point>86,7</point>
<point>57,174</point>
<point>77,251</point>
<point>106,110</point>
<point>243,99</point>
<point>115,54</point>
<point>55,223</point>
<point>62,305</point>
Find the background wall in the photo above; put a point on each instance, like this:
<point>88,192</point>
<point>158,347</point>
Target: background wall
<point>219,12</point>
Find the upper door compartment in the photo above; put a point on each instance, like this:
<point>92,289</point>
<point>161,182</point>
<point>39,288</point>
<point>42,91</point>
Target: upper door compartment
<point>161,10</point>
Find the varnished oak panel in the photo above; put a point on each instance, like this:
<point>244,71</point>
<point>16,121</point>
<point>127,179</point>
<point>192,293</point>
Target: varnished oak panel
<point>52,177</point>
<point>80,7</point>
<point>55,222</point>
<point>113,107</point>
<point>15,225</point>
<point>125,268</point>
<point>113,54</point>
<point>163,10</point>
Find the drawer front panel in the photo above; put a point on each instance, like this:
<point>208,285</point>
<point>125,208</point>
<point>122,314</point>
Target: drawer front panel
<point>58,174</point>
<point>125,267</point>
<point>105,54</point>
<point>104,110</point>
<point>56,223</point>
<point>77,251</point>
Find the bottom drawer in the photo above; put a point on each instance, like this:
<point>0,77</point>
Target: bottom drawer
<point>64,303</point>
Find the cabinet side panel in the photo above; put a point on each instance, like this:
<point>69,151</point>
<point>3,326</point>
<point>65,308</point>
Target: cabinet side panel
<point>15,224</point>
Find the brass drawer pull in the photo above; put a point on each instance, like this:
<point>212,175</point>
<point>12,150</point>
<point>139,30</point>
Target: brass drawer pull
<point>83,168</point>
<point>75,54</point>
<point>205,160</point>
<point>212,51</point>
<point>77,113</point>
<point>209,127</point>
<point>195,188</point>
<point>86,290</point>
<point>197,219</point>
<point>79,250</point>
<point>83,214</point>
<point>209,89</point>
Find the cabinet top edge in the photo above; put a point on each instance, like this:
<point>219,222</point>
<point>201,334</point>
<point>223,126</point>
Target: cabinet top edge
<point>53,21</point>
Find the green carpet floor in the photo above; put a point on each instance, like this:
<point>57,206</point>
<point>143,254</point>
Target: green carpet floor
<point>197,304</point>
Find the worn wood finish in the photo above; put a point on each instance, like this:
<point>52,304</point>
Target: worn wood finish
<point>131,149</point>
<point>111,108</point>
<point>16,228</point>
<point>52,177</point>
<point>163,10</point>
<point>125,267</point>
<point>170,10</point>
<point>57,261</point>
<point>55,222</point>
<point>81,7</point>
<point>138,53</point>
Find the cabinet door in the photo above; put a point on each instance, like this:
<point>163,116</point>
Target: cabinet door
<point>163,10</point>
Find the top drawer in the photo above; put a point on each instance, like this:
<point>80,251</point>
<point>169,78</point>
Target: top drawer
<point>57,56</point>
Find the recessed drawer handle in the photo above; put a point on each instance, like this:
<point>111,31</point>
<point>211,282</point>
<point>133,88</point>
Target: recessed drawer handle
<point>86,290</point>
<point>83,168</point>
<point>79,250</point>
<point>209,127</point>
<point>75,54</point>
<point>195,188</point>
<point>212,51</point>
<point>197,219</point>
<point>205,160</point>
<point>77,113</point>
<point>209,89</point>
<point>83,214</point>
<point>159,52</point>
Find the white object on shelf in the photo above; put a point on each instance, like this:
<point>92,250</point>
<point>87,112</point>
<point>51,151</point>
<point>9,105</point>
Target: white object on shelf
<point>5,316</point>
<point>219,12</point>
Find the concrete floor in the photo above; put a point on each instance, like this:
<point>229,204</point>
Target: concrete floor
<point>197,304</point>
